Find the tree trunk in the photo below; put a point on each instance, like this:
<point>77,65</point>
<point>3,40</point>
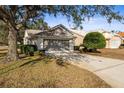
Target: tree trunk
<point>12,46</point>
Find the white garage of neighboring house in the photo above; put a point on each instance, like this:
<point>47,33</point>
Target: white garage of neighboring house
<point>113,40</point>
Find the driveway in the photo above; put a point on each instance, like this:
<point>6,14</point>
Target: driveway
<point>110,70</point>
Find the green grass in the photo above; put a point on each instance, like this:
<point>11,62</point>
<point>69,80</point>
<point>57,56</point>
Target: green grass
<point>39,72</point>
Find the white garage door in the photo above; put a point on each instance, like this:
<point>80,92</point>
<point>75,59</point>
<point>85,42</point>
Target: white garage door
<point>115,43</point>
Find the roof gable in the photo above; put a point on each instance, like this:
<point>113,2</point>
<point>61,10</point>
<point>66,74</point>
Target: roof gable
<point>62,27</point>
<point>79,32</point>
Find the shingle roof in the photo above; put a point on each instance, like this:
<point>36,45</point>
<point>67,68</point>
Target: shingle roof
<point>60,26</point>
<point>33,32</point>
<point>121,34</point>
<point>36,33</point>
<point>79,32</point>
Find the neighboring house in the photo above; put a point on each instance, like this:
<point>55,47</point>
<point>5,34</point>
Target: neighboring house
<point>113,40</point>
<point>79,34</point>
<point>122,35</point>
<point>58,38</point>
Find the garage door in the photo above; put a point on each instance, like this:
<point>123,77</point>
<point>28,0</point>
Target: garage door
<point>56,45</point>
<point>115,43</point>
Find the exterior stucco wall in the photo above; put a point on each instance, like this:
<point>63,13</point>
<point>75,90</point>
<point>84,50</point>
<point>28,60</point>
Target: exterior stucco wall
<point>71,45</point>
<point>39,43</point>
<point>25,40</point>
<point>107,44</point>
<point>122,40</point>
<point>78,40</point>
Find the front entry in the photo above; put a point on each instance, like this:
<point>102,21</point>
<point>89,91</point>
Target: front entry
<point>56,45</point>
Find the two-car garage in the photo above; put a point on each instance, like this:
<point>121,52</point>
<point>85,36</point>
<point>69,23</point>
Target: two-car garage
<point>56,45</point>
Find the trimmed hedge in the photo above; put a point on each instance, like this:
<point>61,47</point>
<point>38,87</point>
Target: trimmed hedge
<point>94,40</point>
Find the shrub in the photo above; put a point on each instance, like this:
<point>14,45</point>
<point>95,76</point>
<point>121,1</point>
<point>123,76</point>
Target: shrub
<point>59,61</point>
<point>94,40</point>
<point>121,46</point>
<point>28,49</point>
<point>81,47</point>
<point>42,52</point>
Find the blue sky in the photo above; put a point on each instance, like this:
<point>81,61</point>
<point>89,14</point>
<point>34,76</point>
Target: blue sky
<point>98,22</point>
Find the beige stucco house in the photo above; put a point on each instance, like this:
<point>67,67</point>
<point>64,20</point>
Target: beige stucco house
<point>58,38</point>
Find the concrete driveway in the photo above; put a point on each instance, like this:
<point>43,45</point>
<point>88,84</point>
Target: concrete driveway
<point>110,70</point>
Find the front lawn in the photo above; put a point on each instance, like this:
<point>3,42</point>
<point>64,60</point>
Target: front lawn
<point>42,72</point>
<point>110,53</point>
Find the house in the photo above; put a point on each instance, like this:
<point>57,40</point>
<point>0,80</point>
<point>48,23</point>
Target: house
<point>113,40</point>
<point>58,38</point>
<point>79,34</point>
<point>121,34</point>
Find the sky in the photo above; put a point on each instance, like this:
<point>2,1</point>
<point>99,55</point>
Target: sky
<point>97,22</point>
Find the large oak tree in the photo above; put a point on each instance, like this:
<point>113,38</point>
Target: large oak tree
<point>16,17</point>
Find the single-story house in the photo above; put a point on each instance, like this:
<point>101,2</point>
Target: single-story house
<point>58,38</point>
